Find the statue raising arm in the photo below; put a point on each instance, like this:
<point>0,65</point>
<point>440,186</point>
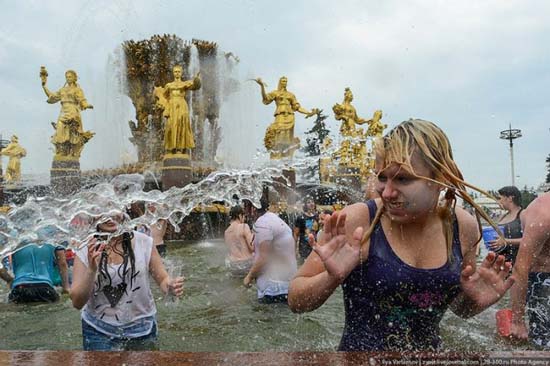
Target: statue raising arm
<point>195,84</point>
<point>71,78</point>
<point>265,98</point>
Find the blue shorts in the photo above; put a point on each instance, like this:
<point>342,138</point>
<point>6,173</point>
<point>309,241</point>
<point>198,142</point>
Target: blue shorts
<point>94,340</point>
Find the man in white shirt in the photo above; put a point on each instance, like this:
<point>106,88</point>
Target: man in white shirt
<point>274,257</point>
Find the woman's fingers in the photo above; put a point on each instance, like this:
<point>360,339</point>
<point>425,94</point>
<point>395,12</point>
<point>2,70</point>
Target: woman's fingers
<point>341,224</point>
<point>498,264</point>
<point>489,260</point>
<point>356,237</point>
<point>334,223</point>
<point>327,230</point>
<point>467,272</point>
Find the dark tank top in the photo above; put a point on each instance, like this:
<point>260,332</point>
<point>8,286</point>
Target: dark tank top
<point>390,305</point>
<point>512,230</point>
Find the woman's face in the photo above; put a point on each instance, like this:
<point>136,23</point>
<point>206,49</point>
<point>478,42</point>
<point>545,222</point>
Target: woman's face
<point>505,202</point>
<point>110,224</point>
<point>406,197</point>
<point>177,73</point>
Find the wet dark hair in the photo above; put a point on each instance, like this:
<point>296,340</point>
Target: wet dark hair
<point>235,212</point>
<point>300,223</point>
<point>511,191</point>
<point>128,257</point>
<point>264,204</point>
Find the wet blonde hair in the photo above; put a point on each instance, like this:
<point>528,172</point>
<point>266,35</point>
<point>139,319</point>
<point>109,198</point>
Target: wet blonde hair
<point>424,138</point>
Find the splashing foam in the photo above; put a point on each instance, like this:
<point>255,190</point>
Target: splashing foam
<point>74,219</point>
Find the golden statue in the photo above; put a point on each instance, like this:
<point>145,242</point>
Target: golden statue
<point>15,152</point>
<point>327,169</point>
<point>279,137</point>
<point>376,127</point>
<point>69,137</point>
<point>346,113</point>
<point>178,135</point>
<point>351,152</point>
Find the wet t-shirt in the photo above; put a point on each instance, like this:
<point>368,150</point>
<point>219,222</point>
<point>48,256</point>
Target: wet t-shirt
<point>122,301</point>
<point>280,266</point>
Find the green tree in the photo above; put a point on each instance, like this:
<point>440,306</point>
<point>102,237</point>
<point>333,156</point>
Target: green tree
<point>314,139</point>
<point>527,195</point>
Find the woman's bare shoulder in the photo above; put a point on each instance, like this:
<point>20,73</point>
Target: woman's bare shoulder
<point>358,214</point>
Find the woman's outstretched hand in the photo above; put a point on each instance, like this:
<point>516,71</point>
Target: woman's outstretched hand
<point>175,286</point>
<point>339,256</point>
<point>489,282</point>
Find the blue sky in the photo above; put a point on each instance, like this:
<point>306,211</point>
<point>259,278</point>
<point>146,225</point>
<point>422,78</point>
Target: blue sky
<point>472,67</point>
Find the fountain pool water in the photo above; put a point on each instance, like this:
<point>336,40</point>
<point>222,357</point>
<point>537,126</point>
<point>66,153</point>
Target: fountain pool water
<point>218,314</point>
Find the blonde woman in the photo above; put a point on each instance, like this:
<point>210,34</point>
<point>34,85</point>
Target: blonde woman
<point>403,259</point>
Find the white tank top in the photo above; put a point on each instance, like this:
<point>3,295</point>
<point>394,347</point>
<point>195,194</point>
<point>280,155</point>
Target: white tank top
<point>118,303</point>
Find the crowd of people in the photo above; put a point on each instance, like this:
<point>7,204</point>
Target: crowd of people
<point>402,259</point>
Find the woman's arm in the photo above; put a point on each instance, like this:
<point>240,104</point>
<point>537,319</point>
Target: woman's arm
<point>481,287</point>
<point>336,255</point>
<point>84,276</point>
<point>61,260</point>
<point>167,284</point>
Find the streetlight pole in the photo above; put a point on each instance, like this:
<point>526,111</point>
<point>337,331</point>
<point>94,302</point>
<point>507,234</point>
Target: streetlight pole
<point>511,134</point>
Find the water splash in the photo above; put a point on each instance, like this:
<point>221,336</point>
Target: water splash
<point>74,219</point>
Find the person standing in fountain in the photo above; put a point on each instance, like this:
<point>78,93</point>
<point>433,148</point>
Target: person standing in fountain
<point>178,135</point>
<point>279,137</point>
<point>111,286</point>
<point>403,259</point>
<point>532,271</point>
<point>274,257</point>
<point>69,137</point>
<point>510,200</point>
<point>15,152</point>
<point>240,242</point>
<point>35,269</point>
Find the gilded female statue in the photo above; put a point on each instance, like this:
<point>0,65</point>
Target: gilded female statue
<point>279,137</point>
<point>15,152</point>
<point>351,153</point>
<point>69,137</point>
<point>346,113</point>
<point>178,135</point>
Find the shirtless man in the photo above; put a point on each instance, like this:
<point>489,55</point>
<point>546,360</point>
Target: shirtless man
<point>532,272</point>
<point>238,239</point>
